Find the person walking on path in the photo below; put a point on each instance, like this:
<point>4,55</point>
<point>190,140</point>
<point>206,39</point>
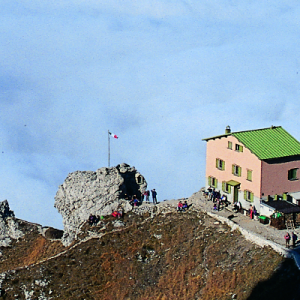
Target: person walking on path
<point>154,193</point>
<point>287,238</point>
<point>294,239</point>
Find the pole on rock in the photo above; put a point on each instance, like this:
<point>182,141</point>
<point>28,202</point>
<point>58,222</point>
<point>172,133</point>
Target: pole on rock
<point>108,148</point>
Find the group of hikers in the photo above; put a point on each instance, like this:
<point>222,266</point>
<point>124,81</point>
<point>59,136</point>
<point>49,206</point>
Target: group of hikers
<point>93,220</point>
<point>133,200</point>
<point>216,198</point>
<point>289,237</point>
<point>145,196</point>
<point>182,206</point>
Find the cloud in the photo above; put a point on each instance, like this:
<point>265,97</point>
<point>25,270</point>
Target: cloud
<point>160,74</point>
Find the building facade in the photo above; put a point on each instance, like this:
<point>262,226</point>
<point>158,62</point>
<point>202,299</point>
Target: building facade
<point>255,165</point>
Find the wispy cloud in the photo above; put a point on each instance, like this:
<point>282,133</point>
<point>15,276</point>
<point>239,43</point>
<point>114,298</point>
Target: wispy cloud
<point>160,74</point>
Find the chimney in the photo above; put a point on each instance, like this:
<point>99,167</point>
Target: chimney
<point>227,129</point>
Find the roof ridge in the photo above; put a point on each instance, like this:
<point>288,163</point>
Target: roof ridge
<point>272,127</point>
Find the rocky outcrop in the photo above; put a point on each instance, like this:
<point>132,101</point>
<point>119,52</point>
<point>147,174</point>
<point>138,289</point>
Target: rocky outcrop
<point>98,193</point>
<point>8,225</point>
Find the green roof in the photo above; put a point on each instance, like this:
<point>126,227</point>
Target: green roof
<point>268,143</point>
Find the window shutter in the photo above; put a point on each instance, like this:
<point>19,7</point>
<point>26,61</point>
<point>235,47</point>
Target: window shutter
<point>216,184</point>
<point>223,165</point>
<point>245,195</point>
<point>249,175</point>
<point>232,169</point>
<point>251,197</point>
<point>284,196</point>
<point>275,197</point>
<point>223,186</point>
<point>240,171</point>
<point>209,181</point>
<point>229,188</point>
<point>241,148</point>
<point>217,163</point>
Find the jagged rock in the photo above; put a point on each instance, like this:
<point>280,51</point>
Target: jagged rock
<point>8,225</point>
<point>98,193</point>
<point>52,233</point>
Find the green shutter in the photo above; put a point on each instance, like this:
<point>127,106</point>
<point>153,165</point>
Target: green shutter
<point>223,186</point>
<point>216,185</point>
<point>251,197</point>
<point>245,195</point>
<point>229,188</point>
<point>223,165</point>
<point>217,163</point>
<point>239,171</point>
<point>241,148</point>
<point>249,175</point>
<point>232,169</point>
<point>284,196</point>
<point>275,197</point>
<point>209,180</point>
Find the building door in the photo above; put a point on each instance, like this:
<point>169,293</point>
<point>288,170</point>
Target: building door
<point>235,194</point>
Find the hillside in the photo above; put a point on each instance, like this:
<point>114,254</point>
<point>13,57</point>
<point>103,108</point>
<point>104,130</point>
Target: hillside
<point>163,255</point>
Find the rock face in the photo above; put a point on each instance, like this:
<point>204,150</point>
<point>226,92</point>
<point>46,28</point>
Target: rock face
<point>8,225</point>
<point>98,193</point>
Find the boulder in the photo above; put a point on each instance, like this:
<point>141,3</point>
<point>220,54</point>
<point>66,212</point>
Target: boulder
<point>98,193</point>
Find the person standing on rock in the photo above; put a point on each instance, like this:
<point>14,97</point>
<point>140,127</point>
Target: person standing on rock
<point>287,238</point>
<point>154,193</point>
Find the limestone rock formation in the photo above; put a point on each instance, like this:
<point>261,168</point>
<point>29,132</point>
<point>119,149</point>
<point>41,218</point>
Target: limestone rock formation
<point>8,225</point>
<point>98,193</point>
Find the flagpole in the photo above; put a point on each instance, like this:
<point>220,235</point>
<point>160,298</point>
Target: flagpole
<point>108,149</point>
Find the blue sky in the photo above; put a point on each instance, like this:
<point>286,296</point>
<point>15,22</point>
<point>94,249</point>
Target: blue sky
<point>162,75</point>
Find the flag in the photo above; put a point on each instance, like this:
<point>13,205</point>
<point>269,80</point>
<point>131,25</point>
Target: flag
<point>113,135</point>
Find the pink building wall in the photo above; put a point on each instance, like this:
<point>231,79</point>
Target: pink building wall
<point>218,148</point>
<point>275,178</point>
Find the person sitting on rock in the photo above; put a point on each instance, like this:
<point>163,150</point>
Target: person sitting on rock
<point>120,212</point>
<point>135,201</point>
<point>97,219</point>
<point>91,219</point>
<point>115,214</point>
<point>185,205</point>
<point>180,206</point>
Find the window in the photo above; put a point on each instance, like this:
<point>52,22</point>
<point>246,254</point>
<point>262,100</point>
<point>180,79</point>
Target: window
<point>248,196</point>
<point>249,175</point>
<point>238,148</point>
<point>236,170</point>
<point>212,181</point>
<point>226,187</point>
<point>292,174</point>
<point>229,145</point>
<point>220,164</point>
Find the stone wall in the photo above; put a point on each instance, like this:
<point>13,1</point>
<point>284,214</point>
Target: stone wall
<point>98,193</point>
